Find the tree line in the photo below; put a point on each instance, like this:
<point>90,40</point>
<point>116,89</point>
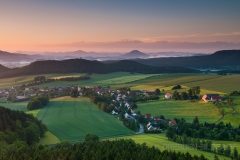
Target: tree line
<point>192,93</point>
<point>205,130</point>
<point>92,149</point>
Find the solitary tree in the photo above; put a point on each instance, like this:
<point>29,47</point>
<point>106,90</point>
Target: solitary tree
<point>157,91</point>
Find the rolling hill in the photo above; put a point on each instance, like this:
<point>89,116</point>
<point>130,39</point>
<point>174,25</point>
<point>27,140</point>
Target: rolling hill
<point>3,69</point>
<point>86,66</point>
<point>134,54</point>
<point>217,59</point>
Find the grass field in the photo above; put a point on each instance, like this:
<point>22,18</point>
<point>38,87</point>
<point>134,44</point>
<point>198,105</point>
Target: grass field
<point>70,119</point>
<point>171,109</point>
<point>210,82</point>
<point>160,141</point>
<point>17,81</point>
<point>233,118</point>
<point>20,106</point>
<point>126,79</point>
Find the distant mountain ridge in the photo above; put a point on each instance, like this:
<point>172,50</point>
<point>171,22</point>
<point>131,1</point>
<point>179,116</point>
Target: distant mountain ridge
<point>134,54</point>
<point>7,56</point>
<point>217,59</point>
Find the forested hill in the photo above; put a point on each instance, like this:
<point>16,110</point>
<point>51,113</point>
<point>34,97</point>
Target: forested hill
<point>86,66</point>
<point>19,126</point>
<point>217,59</point>
<point>131,66</point>
<point>3,69</point>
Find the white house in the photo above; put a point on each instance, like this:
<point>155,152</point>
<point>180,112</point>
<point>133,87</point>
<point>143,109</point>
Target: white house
<point>168,95</point>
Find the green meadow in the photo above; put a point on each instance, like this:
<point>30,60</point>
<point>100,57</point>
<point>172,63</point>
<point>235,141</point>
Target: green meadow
<point>126,79</point>
<point>70,119</point>
<point>20,106</point>
<point>160,141</point>
<point>171,109</point>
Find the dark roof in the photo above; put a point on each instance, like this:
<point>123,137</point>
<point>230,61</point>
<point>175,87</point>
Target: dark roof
<point>216,97</point>
<point>210,95</point>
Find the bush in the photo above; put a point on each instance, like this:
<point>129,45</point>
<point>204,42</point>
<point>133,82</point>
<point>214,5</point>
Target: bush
<point>177,87</point>
<point>37,102</point>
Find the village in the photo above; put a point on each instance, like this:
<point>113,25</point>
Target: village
<point>123,101</point>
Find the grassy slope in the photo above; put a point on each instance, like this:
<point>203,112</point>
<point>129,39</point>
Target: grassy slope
<point>160,141</point>
<point>21,106</point>
<point>70,119</point>
<point>181,109</point>
<point>233,118</point>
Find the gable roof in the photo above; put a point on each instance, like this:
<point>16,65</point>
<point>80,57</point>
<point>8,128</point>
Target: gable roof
<point>148,116</point>
<point>216,98</point>
<point>172,122</point>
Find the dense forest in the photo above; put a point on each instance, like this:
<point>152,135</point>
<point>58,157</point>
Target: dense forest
<point>94,149</point>
<point>16,126</point>
<point>86,66</point>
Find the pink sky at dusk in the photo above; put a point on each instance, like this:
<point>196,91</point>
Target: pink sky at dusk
<point>105,26</point>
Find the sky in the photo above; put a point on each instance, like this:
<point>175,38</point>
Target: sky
<point>119,25</point>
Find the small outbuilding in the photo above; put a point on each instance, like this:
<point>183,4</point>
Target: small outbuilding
<point>168,95</point>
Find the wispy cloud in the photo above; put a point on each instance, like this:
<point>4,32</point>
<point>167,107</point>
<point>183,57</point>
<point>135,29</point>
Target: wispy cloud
<point>153,46</point>
<point>193,37</point>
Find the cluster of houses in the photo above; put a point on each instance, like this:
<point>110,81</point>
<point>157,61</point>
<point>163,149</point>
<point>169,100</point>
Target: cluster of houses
<point>20,94</point>
<point>156,120</point>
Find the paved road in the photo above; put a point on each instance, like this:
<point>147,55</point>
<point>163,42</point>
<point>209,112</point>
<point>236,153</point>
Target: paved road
<point>140,126</point>
<point>140,129</point>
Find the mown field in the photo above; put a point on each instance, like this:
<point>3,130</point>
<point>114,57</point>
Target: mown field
<point>126,79</point>
<point>160,141</point>
<point>70,119</point>
<point>209,82</point>
<point>171,109</point>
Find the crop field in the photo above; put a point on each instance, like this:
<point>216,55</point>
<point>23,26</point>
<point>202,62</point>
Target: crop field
<point>209,82</point>
<point>171,109</point>
<point>70,119</point>
<point>20,106</point>
<point>160,141</point>
<point>126,79</point>
<point>91,82</point>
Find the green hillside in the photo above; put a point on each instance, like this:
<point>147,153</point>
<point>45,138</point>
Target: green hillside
<point>70,119</point>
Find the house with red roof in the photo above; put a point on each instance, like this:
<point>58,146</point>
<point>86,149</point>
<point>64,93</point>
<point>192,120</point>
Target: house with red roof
<point>148,116</point>
<point>168,95</point>
<point>172,123</point>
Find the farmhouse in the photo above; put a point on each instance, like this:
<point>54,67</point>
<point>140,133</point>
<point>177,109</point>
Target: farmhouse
<point>148,116</point>
<point>152,127</point>
<point>150,93</point>
<point>211,97</point>
<point>172,123</point>
<point>168,96</point>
